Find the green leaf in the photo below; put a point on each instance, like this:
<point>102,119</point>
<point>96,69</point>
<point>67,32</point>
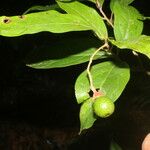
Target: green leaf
<point>69,51</point>
<point>80,18</point>
<point>88,14</point>
<point>87,117</point>
<point>41,8</point>
<point>127,21</point>
<point>114,146</point>
<point>111,78</point>
<point>141,45</point>
<point>125,2</point>
<point>51,21</point>
<point>122,2</point>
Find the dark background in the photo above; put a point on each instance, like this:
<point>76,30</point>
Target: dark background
<point>41,103</point>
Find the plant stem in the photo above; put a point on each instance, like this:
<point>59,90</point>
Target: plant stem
<point>89,66</point>
<point>103,14</point>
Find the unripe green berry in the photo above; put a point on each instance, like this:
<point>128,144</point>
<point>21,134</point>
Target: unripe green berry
<point>103,106</point>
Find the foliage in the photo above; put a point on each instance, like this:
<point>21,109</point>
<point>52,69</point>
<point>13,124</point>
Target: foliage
<point>108,76</point>
<point>114,146</point>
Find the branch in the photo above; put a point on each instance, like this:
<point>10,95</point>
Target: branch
<point>98,5</point>
<point>89,66</point>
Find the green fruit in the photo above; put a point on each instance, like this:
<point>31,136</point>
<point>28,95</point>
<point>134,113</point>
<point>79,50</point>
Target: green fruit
<point>103,106</point>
